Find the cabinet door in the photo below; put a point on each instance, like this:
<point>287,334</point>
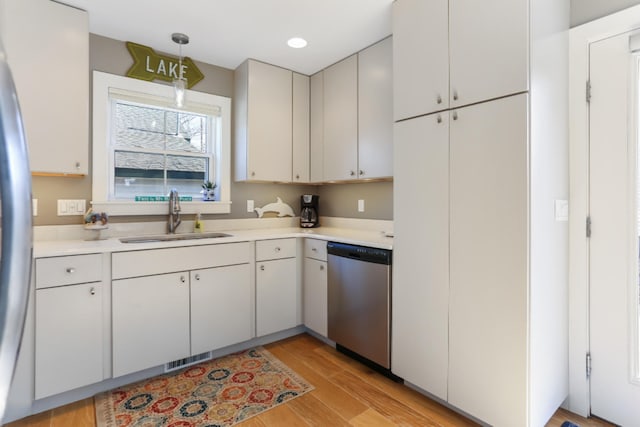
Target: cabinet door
<point>276,296</point>
<point>315,295</point>
<point>269,123</point>
<point>341,120</point>
<point>221,307</point>
<point>489,269</point>
<point>420,57</point>
<point>150,321</point>
<point>50,65</point>
<point>489,49</point>
<point>421,252</point>
<point>300,128</point>
<point>69,340</point>
<point>375,111</point>
<point>316,128</point>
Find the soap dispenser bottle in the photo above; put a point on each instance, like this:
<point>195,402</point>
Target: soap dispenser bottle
<point>197,225</point>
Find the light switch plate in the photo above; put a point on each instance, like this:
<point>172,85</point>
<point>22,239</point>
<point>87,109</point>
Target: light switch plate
<point>71,207</point>
<point>360,205</point>
<point>250,206</point>
<point>34,206</point>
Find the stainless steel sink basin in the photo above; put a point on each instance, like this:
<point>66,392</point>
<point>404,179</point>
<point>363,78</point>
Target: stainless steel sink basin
<point>173,237</point>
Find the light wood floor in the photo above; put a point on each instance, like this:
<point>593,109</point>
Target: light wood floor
<point>346,393</point>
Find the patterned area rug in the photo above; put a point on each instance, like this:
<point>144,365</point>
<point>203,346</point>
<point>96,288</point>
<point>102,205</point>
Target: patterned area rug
<point>220,392</point>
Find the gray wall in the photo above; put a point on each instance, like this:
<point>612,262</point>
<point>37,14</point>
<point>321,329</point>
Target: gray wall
<point>339,200</point>
<point>587,10</point>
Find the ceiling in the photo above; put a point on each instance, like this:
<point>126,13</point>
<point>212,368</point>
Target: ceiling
<point>226,32</point>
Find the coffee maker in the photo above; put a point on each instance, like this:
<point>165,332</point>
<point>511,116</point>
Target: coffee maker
<point>309,211</point>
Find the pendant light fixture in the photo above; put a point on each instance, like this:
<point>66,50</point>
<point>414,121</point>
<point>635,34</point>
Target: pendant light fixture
<point>180,84</point>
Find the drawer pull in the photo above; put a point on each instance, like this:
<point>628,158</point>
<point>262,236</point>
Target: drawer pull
<point>197,277</point>
<point>262,268</point>
<point>70,270</point>
<point>183,279</point>
<point>92,291</point>
<point>314,250</point>
<point>277,248</point>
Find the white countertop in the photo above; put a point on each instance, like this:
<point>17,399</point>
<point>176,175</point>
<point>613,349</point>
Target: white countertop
<point>344,232</point>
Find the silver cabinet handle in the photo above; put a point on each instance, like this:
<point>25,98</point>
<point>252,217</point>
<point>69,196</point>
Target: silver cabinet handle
<point>314,250</point>
<point>455,95</point>
<point>253,174</point>
<point>78,165</point>
<point>439,119</point>
<point>297,176</point>
<point>277,249</point>
<point>92,291</point>
<point>262,268</point>
<point>361,172</point>
<point>197,277</point>
<point>352,173</point>
<point>70,270</point>
<point>439,99</point>
<point>321,267</point>
<point>182,279</point>
<point>455,115</point>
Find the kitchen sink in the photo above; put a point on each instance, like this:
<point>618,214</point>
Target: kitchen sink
<point>172,237</point>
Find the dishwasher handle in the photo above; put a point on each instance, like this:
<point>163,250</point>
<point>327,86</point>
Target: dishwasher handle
<point>361,253</point>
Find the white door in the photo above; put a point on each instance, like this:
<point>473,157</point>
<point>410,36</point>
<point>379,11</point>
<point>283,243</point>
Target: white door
<point>615,381</point>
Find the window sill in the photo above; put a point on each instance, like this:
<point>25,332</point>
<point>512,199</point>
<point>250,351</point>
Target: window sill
<point>159,208</point>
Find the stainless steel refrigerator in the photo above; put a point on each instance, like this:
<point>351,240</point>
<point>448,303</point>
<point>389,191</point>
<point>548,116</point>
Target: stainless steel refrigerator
<point>15,230</point>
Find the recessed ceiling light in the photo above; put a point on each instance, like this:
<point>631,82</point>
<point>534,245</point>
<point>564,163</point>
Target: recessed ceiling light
<point>297,42</point>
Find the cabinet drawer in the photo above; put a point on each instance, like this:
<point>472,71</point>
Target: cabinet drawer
<point>67,270</point>
<point>275,249</point>
<point>316,249</point>
<point>168,260</point>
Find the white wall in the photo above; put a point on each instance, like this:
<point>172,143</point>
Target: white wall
<point>587,10</point>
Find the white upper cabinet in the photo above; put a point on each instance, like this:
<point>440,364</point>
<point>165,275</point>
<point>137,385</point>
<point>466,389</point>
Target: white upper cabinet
<point>263,107</point>
<point>50,66</point>
<point>458,52</point>
<point>316,127</point>
<point>300,131</point>
<point>488,49</point>
<point>341,120</point>
<point>375,111</point>
<point>357,115</point>
<point>420,57</point>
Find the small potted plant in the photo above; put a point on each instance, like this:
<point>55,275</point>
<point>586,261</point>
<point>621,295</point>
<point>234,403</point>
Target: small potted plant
<point>208,191</point>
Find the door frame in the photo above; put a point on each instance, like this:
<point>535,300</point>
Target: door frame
<point>580,38</point>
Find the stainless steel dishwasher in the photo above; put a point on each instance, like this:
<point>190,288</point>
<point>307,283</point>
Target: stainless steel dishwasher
<point>359,300</point>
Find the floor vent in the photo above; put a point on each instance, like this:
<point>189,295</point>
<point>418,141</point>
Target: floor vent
<point>188,361</point>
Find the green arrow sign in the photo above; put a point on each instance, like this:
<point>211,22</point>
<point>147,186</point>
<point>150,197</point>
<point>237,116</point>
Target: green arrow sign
<point>148,65</point>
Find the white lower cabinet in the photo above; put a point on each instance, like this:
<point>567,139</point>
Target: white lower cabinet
<point>277,298</point>
<point>314,300</point>
<point>315,295</point>
<point>69,338</point>
<point>150,321</point>
<point>160,315</point>
<point>421,253</point>
<point>221,309</point>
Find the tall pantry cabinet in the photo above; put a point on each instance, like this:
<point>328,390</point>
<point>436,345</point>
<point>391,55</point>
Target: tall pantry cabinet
<point>480,157</point>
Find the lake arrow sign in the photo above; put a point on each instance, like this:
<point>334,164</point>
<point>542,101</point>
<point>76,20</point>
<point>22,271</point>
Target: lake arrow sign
<point>149,65</point>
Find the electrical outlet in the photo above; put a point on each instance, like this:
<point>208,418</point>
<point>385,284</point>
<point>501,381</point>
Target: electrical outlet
<point>250,206</point>
<point>360,205</point>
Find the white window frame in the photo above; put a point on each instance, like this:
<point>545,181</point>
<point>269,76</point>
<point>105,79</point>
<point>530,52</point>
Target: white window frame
<point>103,83</point>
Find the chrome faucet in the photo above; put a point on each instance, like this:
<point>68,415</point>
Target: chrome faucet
<point>174,211</point>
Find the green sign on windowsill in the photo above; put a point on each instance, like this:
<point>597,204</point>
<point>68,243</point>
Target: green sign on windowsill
<point>149,65</point>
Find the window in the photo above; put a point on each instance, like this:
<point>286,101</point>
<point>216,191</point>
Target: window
<point>143,147</point>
